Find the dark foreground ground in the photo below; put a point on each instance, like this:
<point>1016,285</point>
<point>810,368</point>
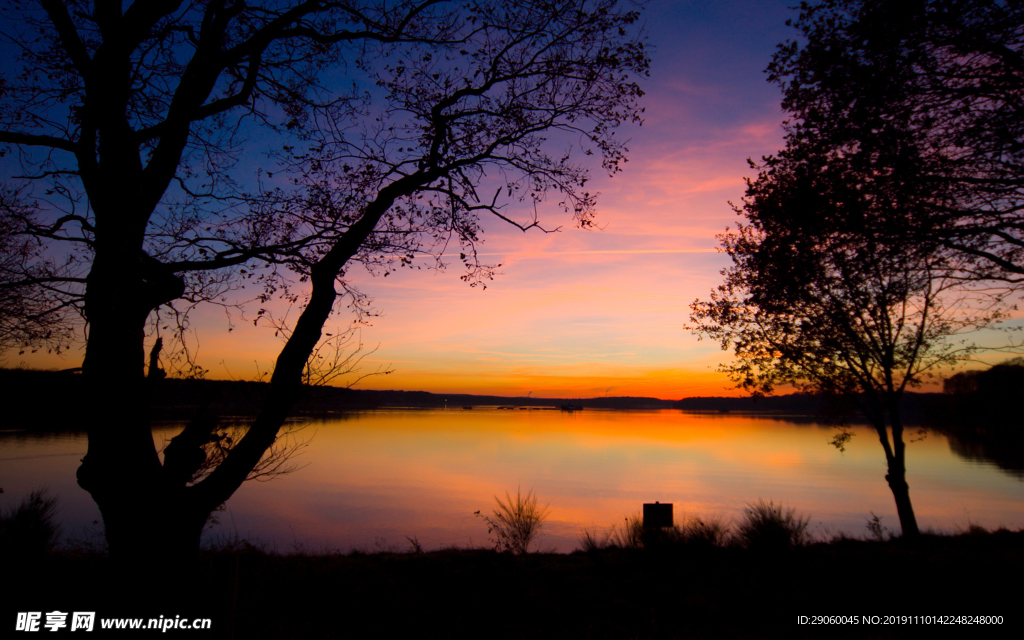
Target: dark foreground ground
<point>677,592</point>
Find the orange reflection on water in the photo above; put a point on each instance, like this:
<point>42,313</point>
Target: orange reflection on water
<point>377,478</point>
<point>374,479</point>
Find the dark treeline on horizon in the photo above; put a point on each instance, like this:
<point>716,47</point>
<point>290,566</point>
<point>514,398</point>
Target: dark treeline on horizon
<point>980,419</point>
<point>178,399</point>
<point>980,414</point>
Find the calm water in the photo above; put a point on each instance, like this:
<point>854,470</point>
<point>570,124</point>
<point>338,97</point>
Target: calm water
<point>373,479</point>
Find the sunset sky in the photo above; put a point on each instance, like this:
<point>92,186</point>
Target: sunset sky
<point>589,313</point>
<point>584,313</point>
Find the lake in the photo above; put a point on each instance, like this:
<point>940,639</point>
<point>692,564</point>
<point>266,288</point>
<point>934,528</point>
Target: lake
<point>373,480</point>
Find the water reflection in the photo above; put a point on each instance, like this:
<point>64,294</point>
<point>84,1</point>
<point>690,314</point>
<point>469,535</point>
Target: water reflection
<point>374,479</point>
<point>1004,449</point>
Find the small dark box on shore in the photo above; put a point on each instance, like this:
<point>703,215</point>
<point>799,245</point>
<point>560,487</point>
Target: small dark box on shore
<point>657,515</point>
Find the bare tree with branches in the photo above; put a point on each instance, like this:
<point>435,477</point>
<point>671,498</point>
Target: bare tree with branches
<point>395,127</point>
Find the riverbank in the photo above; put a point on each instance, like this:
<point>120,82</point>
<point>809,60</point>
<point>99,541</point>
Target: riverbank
<point>941,585</point>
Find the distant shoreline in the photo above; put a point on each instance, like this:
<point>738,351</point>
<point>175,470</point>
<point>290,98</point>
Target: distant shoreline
<point>176,399</point>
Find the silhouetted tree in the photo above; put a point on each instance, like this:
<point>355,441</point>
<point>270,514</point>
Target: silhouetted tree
<point>395,126</point>
<point>36,309</point>
<point>985,401</point>
<point>999,381</point>
<point>944,81</point>
<point>980,413</point>
<point>819,300</point>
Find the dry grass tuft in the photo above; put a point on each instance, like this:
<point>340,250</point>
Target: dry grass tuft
<point>770,527</point>
<point>516,523</point>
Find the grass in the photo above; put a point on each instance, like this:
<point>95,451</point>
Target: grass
<point>765,527</point>
<point>516,523</point>
<point>613,593</point>
<point>631,535</point>
<point>876,530</point>
<point>702,532</point>
<point>31,527</point>
<point>770,527</point>
<point>708,531</point>
<point>715,588</point>
<point>591,541</point>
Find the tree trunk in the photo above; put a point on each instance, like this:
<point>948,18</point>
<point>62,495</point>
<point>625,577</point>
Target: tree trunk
<point>163,530</point>
<point>145,515</point>
<point>897,476</point>
<point>897,479</point>
<point>895,457</point>
<point>121,468</point>
<point>149,511</point>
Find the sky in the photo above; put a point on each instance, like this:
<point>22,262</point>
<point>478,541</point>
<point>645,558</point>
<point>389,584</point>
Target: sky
<point>583,313</point>
<point>591,313</point>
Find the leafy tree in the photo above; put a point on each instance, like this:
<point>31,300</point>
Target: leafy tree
<point>871,240</point>
<point>818,299</point>
<point>948,75</point>
<point>394,128</point>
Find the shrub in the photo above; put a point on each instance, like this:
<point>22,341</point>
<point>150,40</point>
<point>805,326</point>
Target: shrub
<point>631,536</point>
<point>695,531</point>
<point>593,541</point>
<point>30,528</point>
<point>704,532</point>
<point>770,527</point>
<point>516,522</point>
